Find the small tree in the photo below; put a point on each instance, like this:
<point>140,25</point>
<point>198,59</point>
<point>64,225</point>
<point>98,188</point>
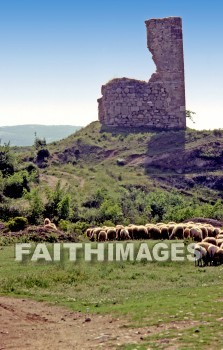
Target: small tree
<point>36,207</point>
<point>6,160</point>
<point>39,143</point>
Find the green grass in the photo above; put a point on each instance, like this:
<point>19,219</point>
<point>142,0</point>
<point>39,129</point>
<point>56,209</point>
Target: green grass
<point>146,294</point>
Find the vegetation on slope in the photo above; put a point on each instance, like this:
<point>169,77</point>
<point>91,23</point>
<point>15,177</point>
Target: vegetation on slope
<point>109,176</point>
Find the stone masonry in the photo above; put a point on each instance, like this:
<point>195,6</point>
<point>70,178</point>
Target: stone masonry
<point>160,102</point>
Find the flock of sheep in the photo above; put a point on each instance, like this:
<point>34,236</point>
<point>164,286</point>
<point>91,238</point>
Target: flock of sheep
<point>207,250</point>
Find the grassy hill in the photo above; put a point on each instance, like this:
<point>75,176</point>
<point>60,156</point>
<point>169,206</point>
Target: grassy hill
<point>121,175</point>
<point>24,135</point>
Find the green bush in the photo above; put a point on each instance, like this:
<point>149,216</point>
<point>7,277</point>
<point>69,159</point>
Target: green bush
<point>16,184</point>
<point>17,224</point>
<point>6,160</point>
<point>64,225</point>
<point>36,207</point>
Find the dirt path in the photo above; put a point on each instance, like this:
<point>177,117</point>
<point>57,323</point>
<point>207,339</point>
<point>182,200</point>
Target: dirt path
<point>52,180</point>
<point>31,325</point>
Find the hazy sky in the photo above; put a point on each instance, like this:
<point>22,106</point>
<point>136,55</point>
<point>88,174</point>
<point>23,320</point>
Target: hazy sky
<point>55,55</point>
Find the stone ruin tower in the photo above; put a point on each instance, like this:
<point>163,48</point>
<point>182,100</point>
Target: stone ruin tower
<point>160,102</point>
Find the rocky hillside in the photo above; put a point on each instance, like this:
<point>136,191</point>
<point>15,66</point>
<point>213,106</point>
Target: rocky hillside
<point>107,176</point>
<point>187,160</point>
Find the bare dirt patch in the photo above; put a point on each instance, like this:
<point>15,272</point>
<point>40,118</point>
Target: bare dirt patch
<point>29,325</point>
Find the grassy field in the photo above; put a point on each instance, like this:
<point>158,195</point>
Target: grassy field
<point>147,294</point>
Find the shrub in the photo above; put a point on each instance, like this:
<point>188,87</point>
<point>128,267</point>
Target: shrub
<point>36,207</point>
<point>42,155</point>
<point>6,160</point>
<point>80,227</point>
<point>64,225</point>
<point>17,224</point>
<point>15,184</point>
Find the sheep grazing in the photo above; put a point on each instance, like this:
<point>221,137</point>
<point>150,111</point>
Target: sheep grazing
<point>211,253</point>
<point>212,232</point>
<point>205,245</point>
<point>217,231</point>
<point>154,232</point>
<point>124,235</point>
<point>164,232</point>
<point>200,255</point>
<point>219,241</point>
<point>118,230</point>
<point>142,232</point>
<point>178,232</point>
<point>196,234</point>
<point>204,231</point>
<point>171,228</point>
<point>211,240</point>
<point>96,232</point>
<point>186,233</point>
<point>89,232</point>
<point>102,236</point>
<point>130,230</point>
<point>111,234</point>
<point>92,237</point>
<point>218,257</point>
<point>135,232</point>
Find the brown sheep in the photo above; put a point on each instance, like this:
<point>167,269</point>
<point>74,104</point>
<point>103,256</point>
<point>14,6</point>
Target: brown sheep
<point>164,232</point>
<point>102,237</point>
<point>218,257</point>
<point>177,232</point>
<point>171,228</point>
<point>135,232</point>
<point>219,242</point>
<point>186,233</point>
<point>130,230</point>
<point>142,232</point>
<point>205,245</point>
<point>211,231</point>
<point>118,230</point>
<point>217,231</point>
<point>196,234</point>
<point>89,232</point>
<point>211,252</point>
<point>93,236</point>
<point>111,234</point>
<point>124,235</point>
<point>96,232</point>
<point>204,231</point>
<point>154,232</point>
<point>211,240</point>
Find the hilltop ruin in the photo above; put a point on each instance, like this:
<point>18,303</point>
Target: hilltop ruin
<point>160,102</point>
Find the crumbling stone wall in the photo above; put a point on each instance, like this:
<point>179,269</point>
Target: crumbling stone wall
<point>159,103</point>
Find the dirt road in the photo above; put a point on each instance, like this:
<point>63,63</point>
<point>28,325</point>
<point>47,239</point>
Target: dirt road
<point>31,325</point>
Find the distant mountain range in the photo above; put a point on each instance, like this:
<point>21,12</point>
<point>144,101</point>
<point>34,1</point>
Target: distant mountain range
<point>24,135</point>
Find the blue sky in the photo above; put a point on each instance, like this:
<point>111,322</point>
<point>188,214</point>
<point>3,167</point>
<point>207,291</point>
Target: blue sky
<point>55,55</point>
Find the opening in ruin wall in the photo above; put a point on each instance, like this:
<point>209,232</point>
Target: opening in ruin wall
<point>160,102</point>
